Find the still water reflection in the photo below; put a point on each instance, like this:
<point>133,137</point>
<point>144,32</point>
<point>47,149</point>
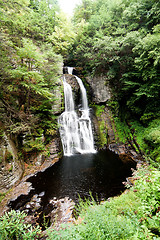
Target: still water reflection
<point>101,174</point>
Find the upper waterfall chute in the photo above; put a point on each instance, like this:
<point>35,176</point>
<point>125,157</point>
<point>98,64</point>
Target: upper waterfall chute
<point>70,70</point>
<point>68,96</point>
<point>83,93</point>
<point>76,132</point>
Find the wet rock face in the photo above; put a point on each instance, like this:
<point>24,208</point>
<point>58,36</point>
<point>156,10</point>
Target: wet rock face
<point>9,175</point>
<point>62,211</point>
<point>11,168</point>
<point>100,88</point>
<point>72,82</point>
<point>55,212</point>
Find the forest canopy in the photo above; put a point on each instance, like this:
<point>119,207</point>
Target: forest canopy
<point>120,40</point>
<point>34,36</point>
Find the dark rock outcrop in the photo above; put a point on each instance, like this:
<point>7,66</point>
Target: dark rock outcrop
<point>22,189</point>
<point>100,88</point>
<point>11,168</point>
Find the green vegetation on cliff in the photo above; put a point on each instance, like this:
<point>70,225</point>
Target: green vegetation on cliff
<point>121,40</point>
<point>33,38</point>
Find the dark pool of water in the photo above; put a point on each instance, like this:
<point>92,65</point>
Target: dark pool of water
<point>101,174</point>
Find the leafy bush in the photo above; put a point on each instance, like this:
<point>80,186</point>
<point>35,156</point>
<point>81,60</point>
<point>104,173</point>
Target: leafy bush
<point>148,191</point>
<point>122,130</point>
<point>148,138</point>
<point>34,144</point>
<point>152,138</point>
<point>13,226</point>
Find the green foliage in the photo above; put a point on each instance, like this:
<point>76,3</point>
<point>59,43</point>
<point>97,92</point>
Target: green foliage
<point>121,40</point>
<point>133,215</point>
<point>83,11</point>
<point>114,106</point>
<point>13,226</point>
<point>2,195</point>
<point>103,134</point>
<point>147,188</point>
<point>63,36</point>
<point>152,138</point>
<point>99,111</point>
<point>122,133</point>
<point>148,138</point>
<point>36,144</point>
<point>34,37</point>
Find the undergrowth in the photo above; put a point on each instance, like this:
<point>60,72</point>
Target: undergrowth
<point>13,227</point>
<point>148,138</point>
<point>122,132</point>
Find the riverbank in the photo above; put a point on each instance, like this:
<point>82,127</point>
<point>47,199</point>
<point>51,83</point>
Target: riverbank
<point>133,215</point>
<point>23,187</point>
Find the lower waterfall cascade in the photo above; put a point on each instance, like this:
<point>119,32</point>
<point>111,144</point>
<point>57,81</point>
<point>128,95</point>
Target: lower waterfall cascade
<point>75,132</point>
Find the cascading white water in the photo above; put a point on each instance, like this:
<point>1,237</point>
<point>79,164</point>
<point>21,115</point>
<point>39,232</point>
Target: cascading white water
<point>76,132</point>
<point>70,70</point>
<point>84,94</point>
<point>68,123</point>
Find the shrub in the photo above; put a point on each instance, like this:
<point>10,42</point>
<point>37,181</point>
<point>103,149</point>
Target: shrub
<point>13,226</point>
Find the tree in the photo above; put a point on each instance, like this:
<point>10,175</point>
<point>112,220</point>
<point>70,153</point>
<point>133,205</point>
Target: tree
<point>29,67</point>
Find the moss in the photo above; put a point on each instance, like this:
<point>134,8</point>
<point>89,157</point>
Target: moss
<point>114,106</point>
<point>99,110</point>
<point>103,136</point>
<point>148,138</point>
<point>2,195</point>
<point>103,133</point>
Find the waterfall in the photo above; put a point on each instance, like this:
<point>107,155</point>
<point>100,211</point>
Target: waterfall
<point>84,94</point>
<point>76,132</point>
<point>70,70</point>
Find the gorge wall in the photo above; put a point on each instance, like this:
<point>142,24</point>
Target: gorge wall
<point>15,162</point>
<point>12,166</point>
<point>106,134</point>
